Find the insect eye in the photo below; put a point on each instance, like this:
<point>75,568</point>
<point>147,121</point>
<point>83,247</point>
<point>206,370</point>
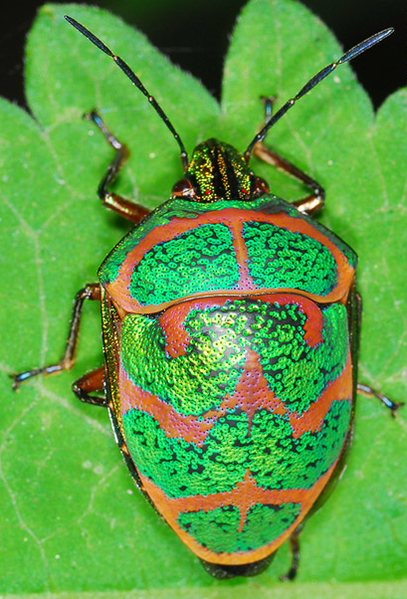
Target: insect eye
<point>261,187</point>
<point>183,189</point>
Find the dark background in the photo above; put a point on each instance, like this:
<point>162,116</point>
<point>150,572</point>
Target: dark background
<point>195,36</point>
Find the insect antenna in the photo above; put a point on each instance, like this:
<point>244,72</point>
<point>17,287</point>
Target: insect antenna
<point>134,79</point>
<point>349,55</point>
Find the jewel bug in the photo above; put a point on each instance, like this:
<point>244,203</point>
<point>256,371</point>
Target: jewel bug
<point>230,322</point>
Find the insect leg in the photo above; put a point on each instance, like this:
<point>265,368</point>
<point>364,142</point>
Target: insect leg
<point>368,391</point>
<point>125,208</point>
<point>310,204</point>
<point>91,382</point>
<point>295,554</point>
<point>89,292</point>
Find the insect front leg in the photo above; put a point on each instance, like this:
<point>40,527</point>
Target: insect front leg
<point>90,382</point>
<point>312,203</point>
<point>125,208</point>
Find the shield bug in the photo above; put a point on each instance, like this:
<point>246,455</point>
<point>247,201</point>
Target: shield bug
<point>230,327</point>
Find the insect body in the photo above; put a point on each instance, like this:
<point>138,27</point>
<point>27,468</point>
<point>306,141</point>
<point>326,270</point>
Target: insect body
<point>233,369</point>
<point>230,329</point>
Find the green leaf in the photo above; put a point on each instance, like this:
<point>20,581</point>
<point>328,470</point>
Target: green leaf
<point>73,524</point>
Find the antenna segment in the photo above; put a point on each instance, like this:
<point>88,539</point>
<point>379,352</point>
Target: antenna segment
<point>349,55</point>
<point>134,79</point>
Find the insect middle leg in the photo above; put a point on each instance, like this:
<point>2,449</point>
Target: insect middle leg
<point>310,204</point>
<point>125,208</point>
<point>90,382</point>
<point>368,391</point>
<point>363,388</point>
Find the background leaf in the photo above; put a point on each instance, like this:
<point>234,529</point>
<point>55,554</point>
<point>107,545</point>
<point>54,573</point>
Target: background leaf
<point>73,523</point>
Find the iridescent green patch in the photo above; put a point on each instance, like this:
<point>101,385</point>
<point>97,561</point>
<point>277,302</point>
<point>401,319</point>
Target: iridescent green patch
<point>297,373</point>
<point>182,469</point>
<point>177,209</point>
<point>283,462</point>
<point>219,337</point>
<point>267,449</point>
<point>279,258</point>
<point>193,383</point>
<point>218,529</point>
<point>198,261</point>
